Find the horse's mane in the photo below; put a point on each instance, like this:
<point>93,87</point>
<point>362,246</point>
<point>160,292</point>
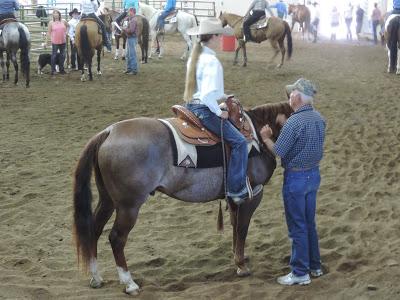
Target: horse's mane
<point>267,113</point>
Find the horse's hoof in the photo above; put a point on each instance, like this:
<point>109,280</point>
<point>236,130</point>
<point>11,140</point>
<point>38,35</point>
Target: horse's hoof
<point>99,73</point>
<point>243,271</point>
<point>123,58</point>
<point>115,57</point>
<point>398,72</point>
<point>83,78</point>
<point>96,283</point>
<point>279,66</point>
<point>132,289</point>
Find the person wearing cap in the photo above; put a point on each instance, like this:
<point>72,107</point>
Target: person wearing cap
<point>254,13</point>
<point>127,4</point>
<point>8,8</point>
<point>300,147</point>
<point>396,7</point>
<point>88,9</point>
<point>75,17</point>
<point>130,31</point>
<point>169,7</point>
<point>204,88</point>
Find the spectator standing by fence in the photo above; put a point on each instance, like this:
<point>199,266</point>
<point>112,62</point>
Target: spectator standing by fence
<point>376,18</point>
<point>58,34</point>
<point>75,17</point>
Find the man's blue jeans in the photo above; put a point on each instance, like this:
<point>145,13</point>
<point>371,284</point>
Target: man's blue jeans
<point>300,196</point>
<point>131,62</point>
<point>237,167</point>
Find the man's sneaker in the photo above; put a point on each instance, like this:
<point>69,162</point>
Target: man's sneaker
<point>291,279</point>
<point>316,273</point>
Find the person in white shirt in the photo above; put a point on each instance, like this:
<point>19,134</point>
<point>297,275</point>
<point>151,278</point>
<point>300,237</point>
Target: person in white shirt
<point>89,9</point>
<point>204,87</point>
<point>348,18</point>
<point>75,17</point>
<point>315,16</point>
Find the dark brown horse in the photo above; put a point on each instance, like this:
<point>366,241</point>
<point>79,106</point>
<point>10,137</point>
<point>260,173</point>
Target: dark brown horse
<point>275,32</point>
<point>300,14</point>
<point>131,160</point>
<point>143,32</point>
<point>392,37</point>
<point>88,40</point>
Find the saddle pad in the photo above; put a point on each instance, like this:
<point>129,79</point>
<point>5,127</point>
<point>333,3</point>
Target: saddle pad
<point>191,156</point>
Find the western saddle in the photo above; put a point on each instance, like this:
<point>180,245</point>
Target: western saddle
<point>193,132</point>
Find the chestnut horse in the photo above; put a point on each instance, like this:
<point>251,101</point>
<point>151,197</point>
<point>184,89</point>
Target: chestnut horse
<point>88,39</point>
<point>392,37</point>
<point>275,32</point>
<point>131,160</point>
<point>300,14</point>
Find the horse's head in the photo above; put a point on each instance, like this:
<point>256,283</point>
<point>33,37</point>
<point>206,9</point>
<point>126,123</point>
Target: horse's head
<point>290,9</point>
<point>222,18</point>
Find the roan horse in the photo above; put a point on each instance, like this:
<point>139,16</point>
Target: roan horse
<point>131,160</point>
<point>275,32</point>
<point>300,14</point>
<point>184,21</point>
<point>15,36</point>
<point>143,32</point>
<point>392,37</point>
<point>88,39</point>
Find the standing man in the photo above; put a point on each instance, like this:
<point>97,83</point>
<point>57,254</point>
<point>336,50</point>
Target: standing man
<point>75,17</point>
<point>300,146</point>
<point>376,19</point>
<point>348,18</point>
<point>315,16</point>
<point>359,20</point>
<point>281,9</point>
<point>169,7</point>
<point>130,31</point>
<point>8,8</point>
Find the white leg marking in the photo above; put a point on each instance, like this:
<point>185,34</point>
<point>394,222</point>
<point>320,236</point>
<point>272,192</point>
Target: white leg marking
<point>398,61</point>
<point>96,281</point>
<point>126,278</point>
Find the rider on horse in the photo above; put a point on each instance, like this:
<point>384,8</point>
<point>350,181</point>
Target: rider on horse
<point>396,7</point>
<point>254,13</point>
<point>89,8</point>
<point>7,9</point>
<point>169,7</point>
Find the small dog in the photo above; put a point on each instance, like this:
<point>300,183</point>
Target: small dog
<point>45,59</point>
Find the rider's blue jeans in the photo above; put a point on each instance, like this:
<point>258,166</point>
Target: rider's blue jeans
<point>237,167</point>
<point>161,18</point>
<point>300,197</point>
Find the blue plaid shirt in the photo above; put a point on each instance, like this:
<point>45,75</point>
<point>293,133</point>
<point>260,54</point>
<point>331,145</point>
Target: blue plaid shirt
<point>301,141</point>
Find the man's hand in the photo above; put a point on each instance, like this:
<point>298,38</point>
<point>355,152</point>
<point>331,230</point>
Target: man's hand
<point>224,115</point>
<point>266,132</point>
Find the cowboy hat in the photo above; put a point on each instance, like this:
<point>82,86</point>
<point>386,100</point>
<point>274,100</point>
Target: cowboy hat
<point>74,11</point>
<point>210,26</point>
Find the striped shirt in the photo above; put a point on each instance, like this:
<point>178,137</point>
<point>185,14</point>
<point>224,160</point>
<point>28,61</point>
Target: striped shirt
<point>300,143</point>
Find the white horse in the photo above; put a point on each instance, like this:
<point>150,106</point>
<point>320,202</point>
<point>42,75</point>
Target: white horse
<point>183,22</point>
<point>15,36</point>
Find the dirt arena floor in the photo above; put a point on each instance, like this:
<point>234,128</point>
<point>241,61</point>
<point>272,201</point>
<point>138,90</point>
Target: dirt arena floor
<point>175,251</point>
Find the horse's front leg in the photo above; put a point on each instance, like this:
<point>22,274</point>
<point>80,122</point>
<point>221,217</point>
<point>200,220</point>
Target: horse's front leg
<point>8,66</point>
<point>124,222</point>
<point>153,41</point>
<point>240,45</point>
<point>240,220</point>
<point>15,63</point>
<point>389,67</point>
<point>116,47</point>
<point>98,61</point>
<point>188,47</point>
<point>398,62</point>
<point>83,75</point>
<point>244,55</point>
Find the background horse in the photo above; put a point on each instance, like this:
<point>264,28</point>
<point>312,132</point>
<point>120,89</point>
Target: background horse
<point>392,36</point>
<point>184,21</point>
<point>301,14</point>
<point>143,32</point>
<point>15,36</point>
<point>131,160</point>
<point>88,40</point>
<point>276,31</point>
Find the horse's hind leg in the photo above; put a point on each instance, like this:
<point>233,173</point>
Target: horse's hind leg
<point>3,69</point>
<point>15,62</point>
<point>398,61</point>
<point>8,66</point>
<point>274,45</point>
<point>98,62</point>
<point>116,47</point>
<point>124,222</point>
<point>283,51</point>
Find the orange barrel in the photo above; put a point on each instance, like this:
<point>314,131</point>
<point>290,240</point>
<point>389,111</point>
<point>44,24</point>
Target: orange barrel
<point>228,43</point>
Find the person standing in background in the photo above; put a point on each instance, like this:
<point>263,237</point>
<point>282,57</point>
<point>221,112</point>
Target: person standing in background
<point>348,18</point>
<point>359,20</point>
<point>376,18</point>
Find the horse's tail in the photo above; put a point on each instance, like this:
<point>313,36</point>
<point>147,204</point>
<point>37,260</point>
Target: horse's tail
<point>85,44</point>
<point>83,218</point>
<point>24,54</point>
<point>392,41</point>
<point>288,33</point>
